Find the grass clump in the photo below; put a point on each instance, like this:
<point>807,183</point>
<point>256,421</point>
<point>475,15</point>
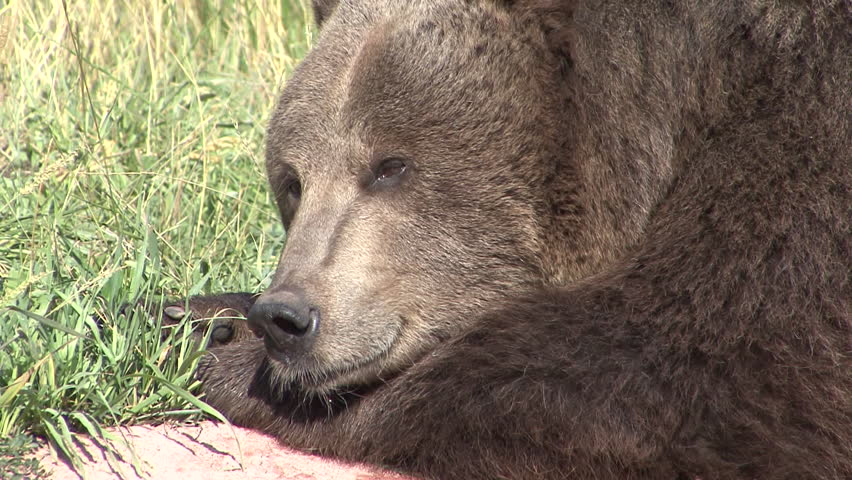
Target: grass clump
<point>131,144</point>
<point>16,461</point>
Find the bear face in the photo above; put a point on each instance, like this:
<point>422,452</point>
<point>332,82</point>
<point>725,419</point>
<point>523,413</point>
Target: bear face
<point>409,165</point>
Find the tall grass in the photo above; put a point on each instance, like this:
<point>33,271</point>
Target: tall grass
<point>131,142</point>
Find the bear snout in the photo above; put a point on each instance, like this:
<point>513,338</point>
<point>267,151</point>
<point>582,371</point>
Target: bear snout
<point>287,323</point>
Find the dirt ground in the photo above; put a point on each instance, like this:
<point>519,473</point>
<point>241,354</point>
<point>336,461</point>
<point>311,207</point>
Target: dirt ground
<point>207,451</point>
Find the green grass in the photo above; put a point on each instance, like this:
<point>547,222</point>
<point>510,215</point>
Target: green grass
<point>16,463</point>
<point>131,167</point>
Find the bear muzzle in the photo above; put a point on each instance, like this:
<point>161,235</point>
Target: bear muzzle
<point>287,323</point>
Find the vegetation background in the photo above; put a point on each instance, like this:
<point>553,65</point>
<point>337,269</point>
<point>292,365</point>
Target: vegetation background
<point>131,168</point>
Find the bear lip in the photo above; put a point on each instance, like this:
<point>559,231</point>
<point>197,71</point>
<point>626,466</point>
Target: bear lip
<point>312,374</point>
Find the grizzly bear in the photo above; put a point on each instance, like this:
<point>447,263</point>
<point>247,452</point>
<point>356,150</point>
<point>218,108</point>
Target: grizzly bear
<point>553,239</point>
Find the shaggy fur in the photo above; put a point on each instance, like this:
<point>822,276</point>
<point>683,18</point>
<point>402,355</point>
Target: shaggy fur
<point>620,248</point>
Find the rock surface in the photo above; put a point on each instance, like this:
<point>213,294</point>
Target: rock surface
<point>207,451</point>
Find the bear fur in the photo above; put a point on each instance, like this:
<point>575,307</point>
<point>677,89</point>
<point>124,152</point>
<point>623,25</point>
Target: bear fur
<point>562,239</point>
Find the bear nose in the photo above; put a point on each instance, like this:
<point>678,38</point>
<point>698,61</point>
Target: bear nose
<point>287,323</point>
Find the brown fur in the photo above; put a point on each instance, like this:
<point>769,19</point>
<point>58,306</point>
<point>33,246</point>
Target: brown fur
<point>621,248</point>
<point>223,315</point>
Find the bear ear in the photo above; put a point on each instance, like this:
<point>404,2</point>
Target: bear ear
<point>323,9</point>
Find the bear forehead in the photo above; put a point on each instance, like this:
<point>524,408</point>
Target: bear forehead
<point>423,61</point>
<point>409,81</point>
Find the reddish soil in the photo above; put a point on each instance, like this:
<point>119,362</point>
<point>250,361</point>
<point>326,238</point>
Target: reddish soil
<point>208,451</point>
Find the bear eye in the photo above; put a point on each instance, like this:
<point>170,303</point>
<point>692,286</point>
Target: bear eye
<point>389,169</point>
<point>294,188</point>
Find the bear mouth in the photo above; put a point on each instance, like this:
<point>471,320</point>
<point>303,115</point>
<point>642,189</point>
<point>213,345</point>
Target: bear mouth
<point>317,375</point>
